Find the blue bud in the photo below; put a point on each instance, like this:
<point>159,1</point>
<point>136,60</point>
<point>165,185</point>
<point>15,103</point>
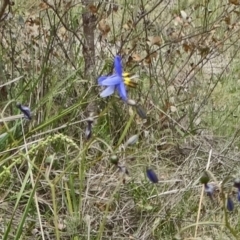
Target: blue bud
<point>25,110</point>
<point>230,204</point>
<point>152,176</point>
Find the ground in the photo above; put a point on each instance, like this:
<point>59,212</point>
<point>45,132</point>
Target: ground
<point>78,168</point>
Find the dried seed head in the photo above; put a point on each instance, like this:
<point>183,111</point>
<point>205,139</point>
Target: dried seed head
<point>132,140</point>
<point>131,102</point>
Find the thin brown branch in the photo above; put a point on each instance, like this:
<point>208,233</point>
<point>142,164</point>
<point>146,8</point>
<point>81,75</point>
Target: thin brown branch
<point>63,23</point>
<point>4,5</point>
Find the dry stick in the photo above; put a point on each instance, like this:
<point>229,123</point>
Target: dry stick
<point>3,7</point>
<point>63,23</point>
<point>88,49</point>
<point>201,197</point>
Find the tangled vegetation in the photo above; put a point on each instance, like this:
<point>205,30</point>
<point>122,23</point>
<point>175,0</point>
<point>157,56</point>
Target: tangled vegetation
<point>159,161</point>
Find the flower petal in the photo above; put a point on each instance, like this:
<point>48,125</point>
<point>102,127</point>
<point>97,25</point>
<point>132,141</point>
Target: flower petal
<point>118,65</point>
<point>107,92</point>
<point>101,79</point>
<point>122,91</point>
<point>110,80</point>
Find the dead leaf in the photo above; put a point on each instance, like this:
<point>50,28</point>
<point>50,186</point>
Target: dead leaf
<point>114,7</point>
<point>37,21</point>
<point>175,36</point>
<point>187,47</point>
<point>62,32</point>
<point>227,20</point>
<point>43,6</point>
<point>136,57</point>
<point>178,20</point>
<point>67,5</point>
<point>93,8</point>
<point>104,27</point>
<point>129,25</point>
<point>204,50</point>
<point>148,59</point>
<point>61,224</point>
<point>155,40</point>
<point>234,2</point>
<point>173,108</point>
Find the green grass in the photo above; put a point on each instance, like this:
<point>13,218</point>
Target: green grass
<point>56,184</point>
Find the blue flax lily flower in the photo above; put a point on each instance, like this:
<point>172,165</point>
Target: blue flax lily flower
<point>115,81</point>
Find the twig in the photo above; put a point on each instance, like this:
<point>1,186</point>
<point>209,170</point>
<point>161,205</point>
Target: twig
<point>3,7</point>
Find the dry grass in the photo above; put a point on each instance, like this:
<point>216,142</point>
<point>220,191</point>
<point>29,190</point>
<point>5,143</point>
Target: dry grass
<point>55,184</point>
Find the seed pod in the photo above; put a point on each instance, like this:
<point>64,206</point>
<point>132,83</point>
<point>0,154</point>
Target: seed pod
<point>114,159</point>
<point>205,178</point>
<point>152,176</point>
<point>25,110</point>
<point>141,112</point>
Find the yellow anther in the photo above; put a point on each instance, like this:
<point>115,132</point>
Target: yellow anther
<point>128,81</point>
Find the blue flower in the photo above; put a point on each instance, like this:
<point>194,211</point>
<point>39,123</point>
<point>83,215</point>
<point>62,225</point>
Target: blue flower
<point>114,81</point>
<point>152,176</point>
